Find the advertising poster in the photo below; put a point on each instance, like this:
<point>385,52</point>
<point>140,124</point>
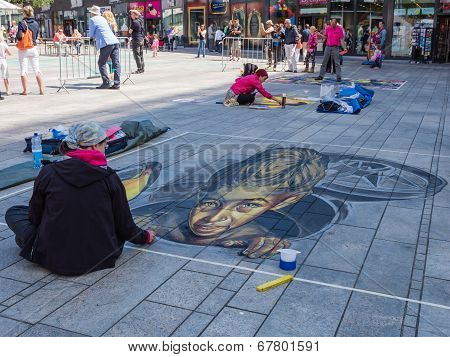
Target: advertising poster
<point>139,6</point>
<point>218,7</point>
<point>153,9</point>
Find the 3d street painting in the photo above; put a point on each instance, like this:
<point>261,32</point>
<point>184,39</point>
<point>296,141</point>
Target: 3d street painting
<point>266,201</point>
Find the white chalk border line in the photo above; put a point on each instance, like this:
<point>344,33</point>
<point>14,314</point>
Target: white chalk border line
<point>315,282</point>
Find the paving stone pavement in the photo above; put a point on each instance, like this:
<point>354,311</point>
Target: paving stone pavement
<point>354,231</point>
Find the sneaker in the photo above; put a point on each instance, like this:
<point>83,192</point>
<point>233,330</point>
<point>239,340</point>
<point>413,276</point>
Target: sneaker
<point>295,71</point>
<point>288,70</point>
<point>103,86</point>
<point>115,86</point>
<point>319,78</point>
<point>338,79</point>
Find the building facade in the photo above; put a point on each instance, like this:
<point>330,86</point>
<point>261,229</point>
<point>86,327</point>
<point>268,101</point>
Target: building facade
<point>408,22</point>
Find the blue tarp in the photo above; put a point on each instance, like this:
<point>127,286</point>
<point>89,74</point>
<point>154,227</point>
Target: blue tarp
<point>349,100</point>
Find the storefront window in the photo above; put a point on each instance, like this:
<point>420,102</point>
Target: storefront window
<point>281,10</point>
<point>120,12</point>
<point>409,18</point>
<point>342,10</point>
<point>370,13</point>
<point>313,13</point>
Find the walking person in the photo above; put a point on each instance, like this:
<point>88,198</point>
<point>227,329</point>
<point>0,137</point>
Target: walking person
<point>27,34</point>
<point>137,32</point>
<point>291,38</point>
<point>311,48</point>
<point>78,218</point>
<point>335,40</point>
<point>108,44</point>
<point>299,45</point>
<point>201,35</point>
<point>171,37</point>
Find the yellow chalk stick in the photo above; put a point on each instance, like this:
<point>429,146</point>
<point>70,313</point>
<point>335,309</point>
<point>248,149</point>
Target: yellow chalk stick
<point>273,283</point>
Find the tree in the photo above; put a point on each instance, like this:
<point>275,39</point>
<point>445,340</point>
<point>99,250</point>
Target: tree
<point>34,3</point>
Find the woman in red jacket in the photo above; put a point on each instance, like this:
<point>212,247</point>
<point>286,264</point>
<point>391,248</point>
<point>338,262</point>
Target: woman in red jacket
<point>78,218</point>
<point>243,91</point>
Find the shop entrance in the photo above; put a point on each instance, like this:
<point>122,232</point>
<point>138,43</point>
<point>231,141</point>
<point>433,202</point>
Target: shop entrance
<point>442,49</point>
<point>317,21</point>
<point>154,26</point>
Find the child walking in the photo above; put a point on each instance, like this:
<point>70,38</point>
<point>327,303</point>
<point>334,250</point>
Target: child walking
<point>4,51</point>
<point>155,45</point>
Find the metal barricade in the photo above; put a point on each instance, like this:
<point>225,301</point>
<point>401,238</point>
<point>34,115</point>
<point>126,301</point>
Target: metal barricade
<point>78,61</point>
<point>237,51</point>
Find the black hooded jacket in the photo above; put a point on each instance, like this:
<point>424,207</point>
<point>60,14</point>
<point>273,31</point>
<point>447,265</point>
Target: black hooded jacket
<point>82,218</point>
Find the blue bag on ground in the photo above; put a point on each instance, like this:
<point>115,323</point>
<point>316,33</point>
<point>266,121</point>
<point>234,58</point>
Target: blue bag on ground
<point>349,100</point>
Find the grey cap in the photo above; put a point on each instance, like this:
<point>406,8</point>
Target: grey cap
<point>84,134</point>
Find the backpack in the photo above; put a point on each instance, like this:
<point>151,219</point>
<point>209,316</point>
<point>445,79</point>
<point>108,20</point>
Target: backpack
<point>27,39</point>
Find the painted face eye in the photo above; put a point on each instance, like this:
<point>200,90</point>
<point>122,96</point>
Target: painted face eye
<point>246,206</point>
<point>209,205</point>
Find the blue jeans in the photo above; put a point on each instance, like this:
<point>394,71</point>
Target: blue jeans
<point>201,47</point>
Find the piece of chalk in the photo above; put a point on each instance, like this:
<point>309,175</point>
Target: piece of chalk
<point>273,283</point>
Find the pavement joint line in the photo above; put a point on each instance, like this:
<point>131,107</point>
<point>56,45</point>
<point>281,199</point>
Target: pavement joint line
<point>12,194</point>
<point>323,144</point>
<point>315,282</point>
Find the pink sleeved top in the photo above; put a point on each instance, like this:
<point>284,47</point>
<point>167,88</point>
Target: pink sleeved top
<point>247,84</point>
<point>312,41</point>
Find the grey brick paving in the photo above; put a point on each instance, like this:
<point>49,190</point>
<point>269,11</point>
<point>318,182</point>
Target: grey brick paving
<point>149,319</point>
<point>390,246</point>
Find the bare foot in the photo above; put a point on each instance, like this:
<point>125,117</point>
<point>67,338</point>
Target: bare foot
<point>41,93</point>
<point>23,93</point>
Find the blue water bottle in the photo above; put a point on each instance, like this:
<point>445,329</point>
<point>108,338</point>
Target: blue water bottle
<point>36,149</point>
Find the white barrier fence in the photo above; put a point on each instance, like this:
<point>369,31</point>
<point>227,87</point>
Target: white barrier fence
<point>237,51</point>
<point>78,60</point>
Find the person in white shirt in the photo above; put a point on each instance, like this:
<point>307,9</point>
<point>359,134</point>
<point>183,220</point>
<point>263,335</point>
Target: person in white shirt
<point>218,37</point>
<point>4,51</point>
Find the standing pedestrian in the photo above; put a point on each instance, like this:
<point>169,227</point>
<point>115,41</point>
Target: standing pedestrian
<point>335,40</point>
<point>4,73</point>
<point>211,35</point>
<point>218,37</point>
<point>137,31</point>
<point>290,42</point>
<point>201,35</point>
<point>235,32</point>
<point>13,32</point>
<point>381,36</point>
<point>267,33</point>
<point>27,34</point>
<point>277,45</point>
<point>311,48</point>
<point>299,45</point>
<point>155,45</point>
<point>59,40</point>
<point>171,37</point>
<point>305,37</point>
<point>76,38</point>
<point>108,44</point>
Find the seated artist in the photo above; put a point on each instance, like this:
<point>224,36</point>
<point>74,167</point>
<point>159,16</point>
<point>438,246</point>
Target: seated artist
<point>78,218</point>
<point>243,91</point>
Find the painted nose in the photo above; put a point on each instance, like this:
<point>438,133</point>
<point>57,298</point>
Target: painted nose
<point>221,218</point>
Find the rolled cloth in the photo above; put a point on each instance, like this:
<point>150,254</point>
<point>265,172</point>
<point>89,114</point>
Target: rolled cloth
<point>84,134</point>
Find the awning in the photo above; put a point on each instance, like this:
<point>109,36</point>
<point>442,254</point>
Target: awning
<point>6,6</point>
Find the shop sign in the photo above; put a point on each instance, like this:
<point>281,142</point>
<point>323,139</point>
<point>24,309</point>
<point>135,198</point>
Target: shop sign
<point>153,9</point>
<point>104,8</point>
<point>76,3</point>
<point>148,9</point>
<point>445,5</point>
<point>217,7</point>
<point>428,11</point>
<point>399,12</point>
<point>312,2</point>
<point>414,11</point>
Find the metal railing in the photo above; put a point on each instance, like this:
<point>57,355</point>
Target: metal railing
<point>239,50</point>
<point>78,60</point>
